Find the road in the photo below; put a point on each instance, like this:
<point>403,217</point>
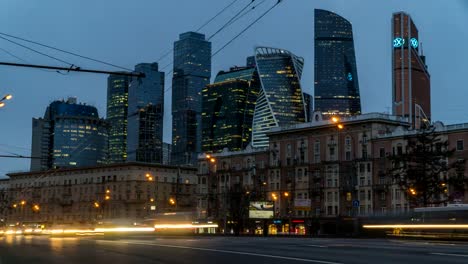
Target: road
<point>226,250</point>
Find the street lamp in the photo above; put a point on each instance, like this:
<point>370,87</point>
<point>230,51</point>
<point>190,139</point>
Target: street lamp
<point>36,208</point>
<point>5,98</point>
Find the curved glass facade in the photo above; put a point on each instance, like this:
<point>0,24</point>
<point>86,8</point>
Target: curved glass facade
<point>336,78</point>
<point>280,101</point>
<point>69,135</point>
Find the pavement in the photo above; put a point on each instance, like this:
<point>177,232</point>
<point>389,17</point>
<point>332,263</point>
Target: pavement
<point>226,250</point>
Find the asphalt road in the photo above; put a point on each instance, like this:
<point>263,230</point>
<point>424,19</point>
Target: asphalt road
<point>238,250</point>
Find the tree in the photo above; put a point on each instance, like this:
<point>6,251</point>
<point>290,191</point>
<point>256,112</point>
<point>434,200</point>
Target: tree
<point>423,170</point>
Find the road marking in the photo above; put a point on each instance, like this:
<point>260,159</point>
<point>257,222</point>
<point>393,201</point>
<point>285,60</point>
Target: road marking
<point>227,251</point>
<point>319,246</point>
<point>452,255</point>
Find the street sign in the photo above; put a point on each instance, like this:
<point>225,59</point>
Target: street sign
<point>355,203</point>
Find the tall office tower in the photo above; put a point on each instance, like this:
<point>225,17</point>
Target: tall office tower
<point>192,72</point>
<point>308,100</point>
<point>280,100</point>
<point>167,148</point>
<point>336,77</point>
<point>145,115</point>
<point>117,111</point>
<point>411,79</point>
<point>228,109</point>
<point>69,135</point>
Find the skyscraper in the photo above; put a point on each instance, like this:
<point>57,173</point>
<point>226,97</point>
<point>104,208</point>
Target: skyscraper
<point>280,100</point>
<point>411,79</point>
<point>228,109</point>
<point>145,115</point>
<point>117,111</point>
<point>192,72</point>
<point>336,77</point>
<point>69,135</point>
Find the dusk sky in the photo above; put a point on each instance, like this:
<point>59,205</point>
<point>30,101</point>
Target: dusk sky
<point>130,32</point>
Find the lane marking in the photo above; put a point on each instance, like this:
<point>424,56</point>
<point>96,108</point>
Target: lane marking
<point>451,255</point>
<point>227,251</point>
<point>319,246</point>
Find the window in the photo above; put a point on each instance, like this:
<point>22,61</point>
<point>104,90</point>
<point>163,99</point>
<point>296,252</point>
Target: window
<point>317,151</point>
<point>399,149</point>
<point>364,139</point>
<point>459,144</point>
<point>348,196</point>
<point>348,141</point>
<point>383,196</point>
<point>368,167</point>
<point>382,152</point>
<point>364,152</point>
<point>332,151</point>
<point>348,155</point>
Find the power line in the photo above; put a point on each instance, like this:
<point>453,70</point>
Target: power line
<point>36,51</point>
<point>246,28</point>
<point>214,17</point>
<point>23,60</point>
<point>199,28</point>
<point>64,51</point>
<point>238,35</point>
<point>228,23</point>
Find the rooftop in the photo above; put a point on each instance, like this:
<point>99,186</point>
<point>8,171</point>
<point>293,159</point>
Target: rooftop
<point>116,165</point>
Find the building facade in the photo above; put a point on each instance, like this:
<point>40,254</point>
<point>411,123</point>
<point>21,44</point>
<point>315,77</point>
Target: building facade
<point>69,135</point>
<point>280,100</point>
<point>411,79</point>
<point>135,191</point>
<point>145,115</point>
<point>336,76</point>
<point>318,175</point>
<point>117,111</point>
<point>191,73</point>
<point>228,109</point>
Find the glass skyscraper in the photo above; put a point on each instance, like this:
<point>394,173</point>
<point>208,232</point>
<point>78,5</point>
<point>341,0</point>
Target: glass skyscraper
<point>117,110</point>
<point>192,72</point>
<point>280,101</point>
<point>145,115</point>
<point>336,77</point>
<point>69,135</point>
<point>228,109</point>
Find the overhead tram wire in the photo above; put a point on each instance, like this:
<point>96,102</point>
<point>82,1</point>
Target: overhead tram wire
<point>36,51</point>
<point>223,27</point>
<point>200,28</point>
<point>25,61</point>
<point>248,11</point>
<point>64,51</point>
<point>246,28</point>
<point>239,34</point>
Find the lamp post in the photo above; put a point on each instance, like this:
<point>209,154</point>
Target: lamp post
<point>5,98</point>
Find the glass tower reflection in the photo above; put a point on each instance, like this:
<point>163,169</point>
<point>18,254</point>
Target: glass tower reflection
<point>336,77</point>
